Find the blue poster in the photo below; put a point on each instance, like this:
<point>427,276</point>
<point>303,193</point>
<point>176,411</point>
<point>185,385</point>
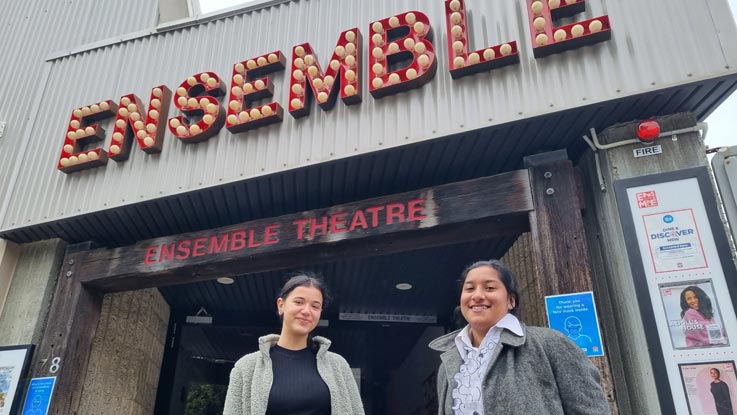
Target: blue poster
<point>575,316</point>
<point>38,397</point>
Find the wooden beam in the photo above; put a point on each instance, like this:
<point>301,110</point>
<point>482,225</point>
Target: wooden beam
<point>428,217</point>
<point>559,243</point>
<point>70,329</point>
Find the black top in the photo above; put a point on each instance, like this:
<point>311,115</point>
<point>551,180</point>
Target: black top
<point>721,398</point>
<point>297,388</point>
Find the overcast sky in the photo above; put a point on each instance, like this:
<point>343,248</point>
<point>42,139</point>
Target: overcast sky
<point>722,122</point>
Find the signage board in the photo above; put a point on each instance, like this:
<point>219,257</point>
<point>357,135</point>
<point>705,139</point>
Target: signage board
<point>39,395</point>
<point>648,151</point>
<point>388,318</point>
<point>575,316</point>
<point>14,362</point>
<point>686,285</point>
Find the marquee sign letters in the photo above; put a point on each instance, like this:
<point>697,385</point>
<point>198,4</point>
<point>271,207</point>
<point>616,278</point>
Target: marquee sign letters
<point>401,56</point>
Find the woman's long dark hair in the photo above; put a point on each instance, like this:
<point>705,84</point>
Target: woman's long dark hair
<point>306,279</point>
<point>704,302</point>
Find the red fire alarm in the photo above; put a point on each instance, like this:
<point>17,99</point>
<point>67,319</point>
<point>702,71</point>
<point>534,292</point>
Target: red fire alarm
<point>648,131</point>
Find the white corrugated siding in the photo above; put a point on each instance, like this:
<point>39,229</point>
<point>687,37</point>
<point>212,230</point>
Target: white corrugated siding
<point>30,31</point>
<point>655,44</point>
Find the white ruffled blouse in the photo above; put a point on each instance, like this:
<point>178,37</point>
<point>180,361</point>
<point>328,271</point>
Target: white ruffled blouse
<point>467,395</point>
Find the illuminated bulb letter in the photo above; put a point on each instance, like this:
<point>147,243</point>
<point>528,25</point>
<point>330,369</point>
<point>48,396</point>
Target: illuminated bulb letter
<point>383,54</point>
<point>248,84</point>
<point>81,132</point>
<point>196,97</point>
<point>462,62</point>
<point>140,124</point>
<point>343,71</point>
<point>548,39</point>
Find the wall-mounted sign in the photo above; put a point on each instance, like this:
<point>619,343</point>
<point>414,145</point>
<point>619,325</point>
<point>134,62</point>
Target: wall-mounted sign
<point>648,151</point>
<point>14,362</point>
<point>575,316</point>
<point>38,397</point>
<point>401,56</point>
<point>686,286</point>
<point>388,318</point>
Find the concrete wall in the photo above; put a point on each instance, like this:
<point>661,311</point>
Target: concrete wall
<point>123,372</point>
<point>619,312</point>
<point>170,10</point>
<point>31,289</point>
<point>9,253</point>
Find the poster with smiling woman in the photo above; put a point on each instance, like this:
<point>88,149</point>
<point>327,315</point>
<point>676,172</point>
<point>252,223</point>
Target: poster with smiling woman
<point>710,387</point>
<point>692,312</point>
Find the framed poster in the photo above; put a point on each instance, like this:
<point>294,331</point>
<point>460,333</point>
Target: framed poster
<point>709,387</point>
<point>685,282</point>
<point>692,312</point>
<point>14,363</point>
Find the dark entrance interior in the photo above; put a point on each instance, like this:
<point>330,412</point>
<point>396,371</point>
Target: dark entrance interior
<point>395,368</point>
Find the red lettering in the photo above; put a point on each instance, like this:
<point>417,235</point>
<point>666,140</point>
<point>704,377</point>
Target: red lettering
<point>150,257</point>
<point>238,240</point>
<point>547,39</point>
<point>199,247</point>
<point>244,90</point>
<point>183,250</point>
<point>300,227</point>
<point>374,211</point>
<point>252,242</point>
<point>460,61</point>
<point>195,97</point>
<point>167,252</point>
<point>359,219</point>
<point>324,86</point>
<point>338,219</point>
<point>81,131</point>
<point>323,226</point>
<point>218,246</point>
<point>382,54</point>
<point>134,122</point>
<point>414,208</point>
<point>394,211</point>
<point>271,234</point>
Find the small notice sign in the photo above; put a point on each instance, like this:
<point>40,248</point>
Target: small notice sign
<point>648,151</point>
<point>575,316</point>
<point>39,395</point>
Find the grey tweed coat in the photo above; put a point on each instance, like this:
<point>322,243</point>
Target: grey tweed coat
<point>251,378</point>
<point>541,372</point>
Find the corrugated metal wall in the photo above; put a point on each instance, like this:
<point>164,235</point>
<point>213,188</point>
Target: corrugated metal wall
<point>655,44</point>
<point>31,31</point>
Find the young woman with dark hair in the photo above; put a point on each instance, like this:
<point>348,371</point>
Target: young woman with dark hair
<point>700,327</point>
<point>293,372</point>
<point>497,365</point>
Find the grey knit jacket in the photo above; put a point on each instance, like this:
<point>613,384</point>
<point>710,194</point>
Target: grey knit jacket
<point>541,372</point>
<point>251,378</point>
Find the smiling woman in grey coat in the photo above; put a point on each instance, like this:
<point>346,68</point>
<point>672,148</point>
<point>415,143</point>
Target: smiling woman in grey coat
<point>497,365</point>
<point>292,373</point>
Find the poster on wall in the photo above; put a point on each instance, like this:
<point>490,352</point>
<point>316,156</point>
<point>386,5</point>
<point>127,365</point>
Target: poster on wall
<point>686,285</point>
<point>710,388</point>
<point>574,315</point>
<point>39,395</point>
<point>692,311</point>
<point>674,241</point>
<point>14,362</point>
